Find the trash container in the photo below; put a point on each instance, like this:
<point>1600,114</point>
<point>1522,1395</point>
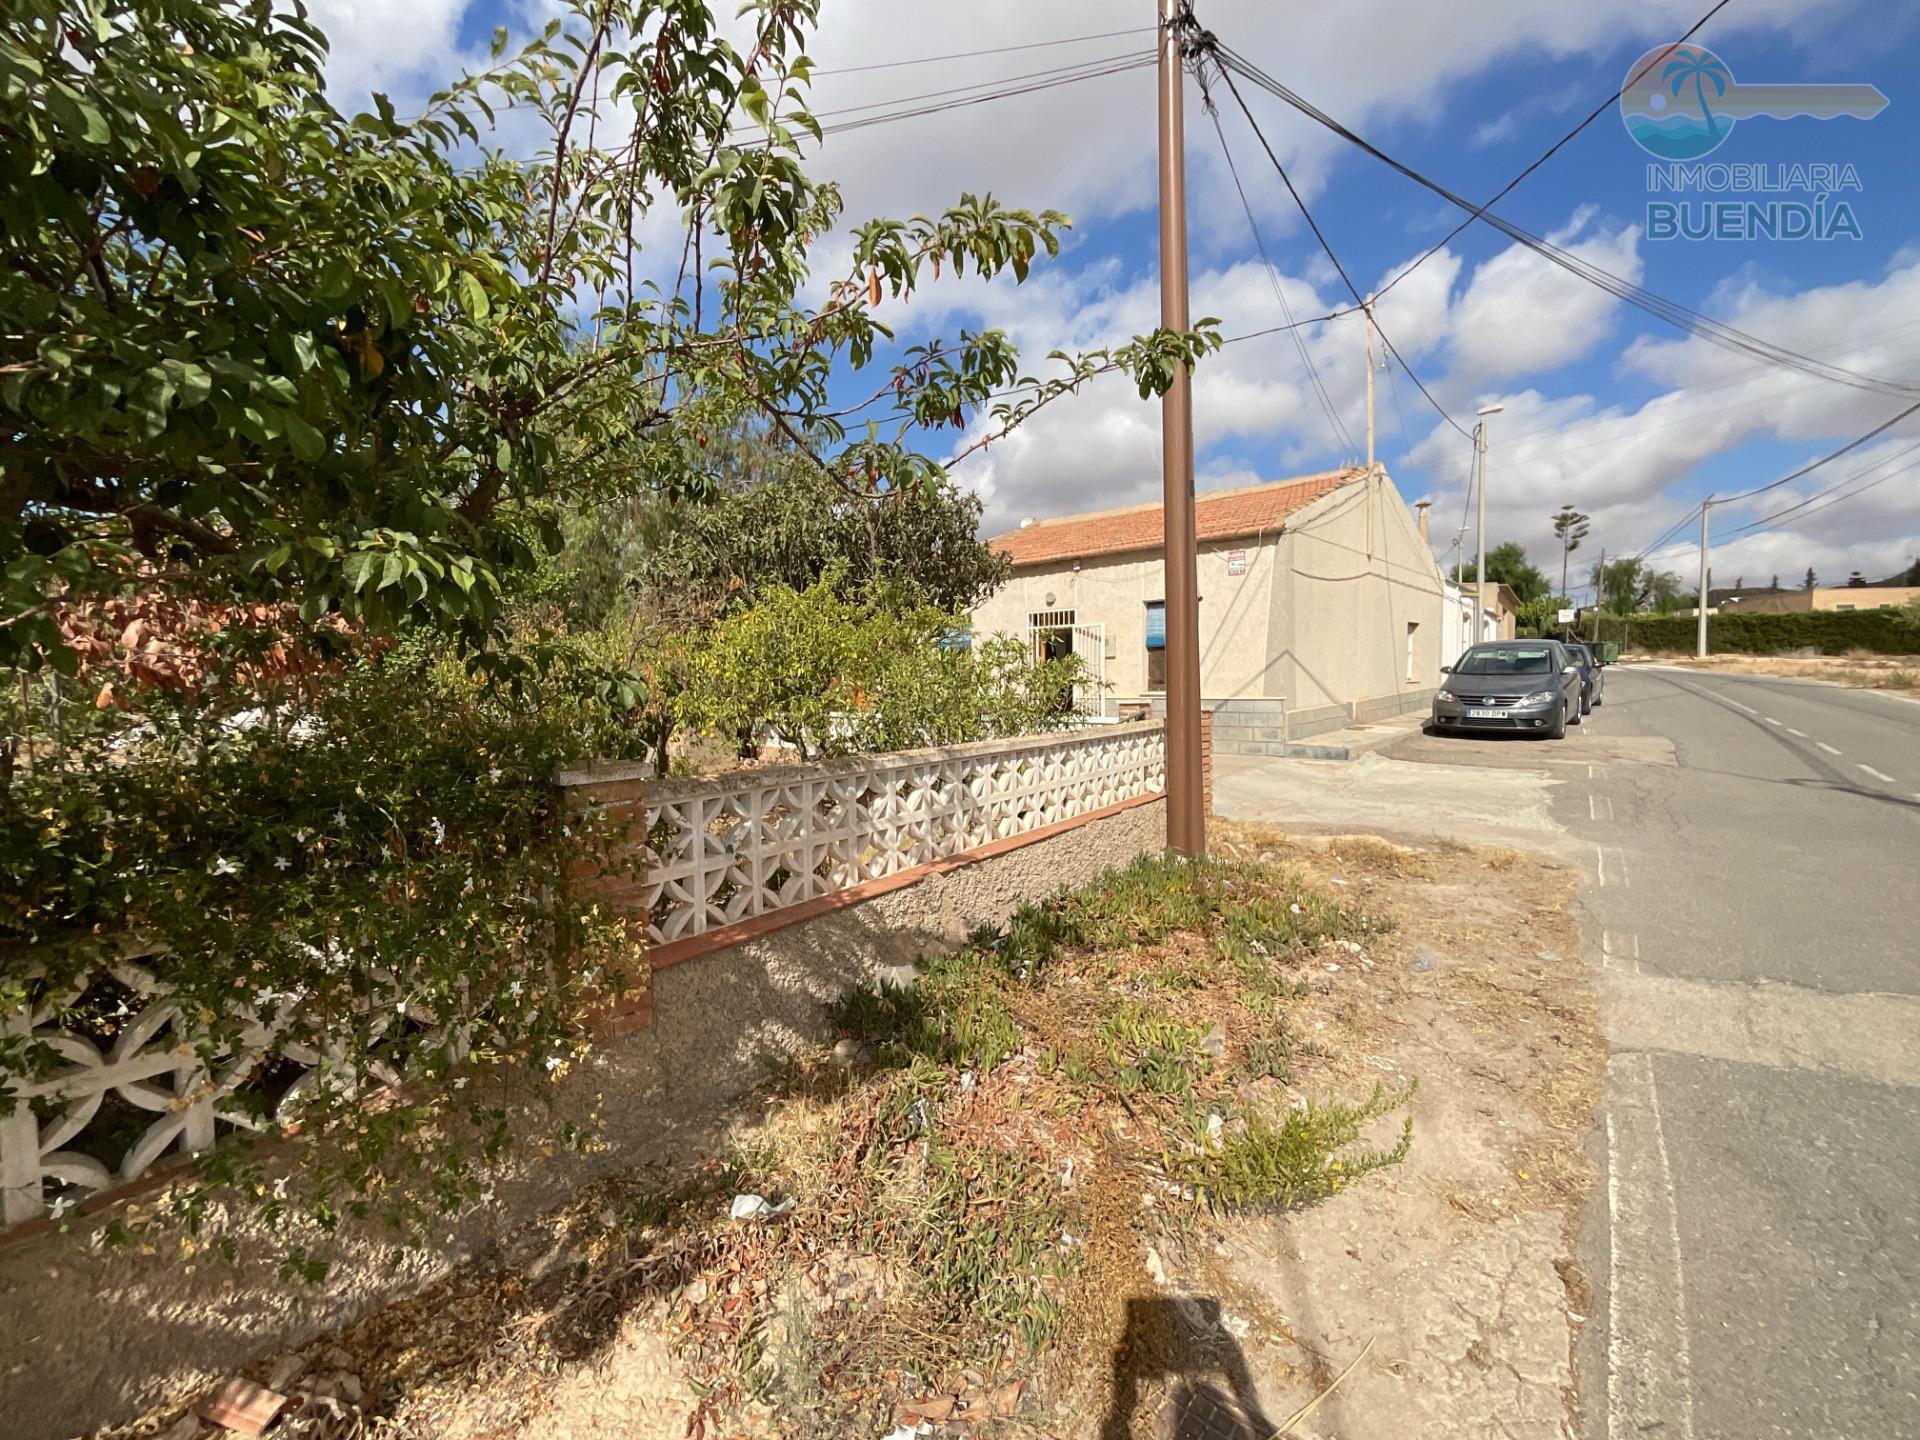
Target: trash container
<point>1609,651</point>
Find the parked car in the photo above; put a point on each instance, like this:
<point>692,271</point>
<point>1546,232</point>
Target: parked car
<point>1530,686</point>
<point>1592,674</point>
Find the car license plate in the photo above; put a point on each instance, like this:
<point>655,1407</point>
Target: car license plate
<point>1486,714</point>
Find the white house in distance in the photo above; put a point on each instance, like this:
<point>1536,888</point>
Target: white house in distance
<point>1320,604</point>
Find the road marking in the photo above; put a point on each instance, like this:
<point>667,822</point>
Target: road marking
<point>1801,733</point>
<point>1599,807</point>
<point>1649,1365</point>
<point>1826,747</point>
<point>1883,779</point>
<point>1620,876</point>
<point>1620,952</point>
<point>1769,719</point>
<point>1737,705</point>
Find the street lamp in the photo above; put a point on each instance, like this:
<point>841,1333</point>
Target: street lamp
<point>1480,450</point>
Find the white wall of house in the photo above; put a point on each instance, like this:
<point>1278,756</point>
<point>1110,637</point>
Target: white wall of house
<point>1359,606</point>
<point>1114,591</point>
<point>1345,603</point>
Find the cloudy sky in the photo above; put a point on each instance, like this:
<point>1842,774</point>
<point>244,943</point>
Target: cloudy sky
<point>1605,407</point>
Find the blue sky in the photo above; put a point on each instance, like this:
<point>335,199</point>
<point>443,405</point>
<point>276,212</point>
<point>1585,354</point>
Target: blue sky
<point>1606,408</point>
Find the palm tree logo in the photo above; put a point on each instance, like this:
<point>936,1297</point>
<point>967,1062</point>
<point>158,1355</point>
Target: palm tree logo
<point>1699,66</point>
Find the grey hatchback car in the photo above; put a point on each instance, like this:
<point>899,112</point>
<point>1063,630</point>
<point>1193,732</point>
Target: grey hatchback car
<point>1529,686</point>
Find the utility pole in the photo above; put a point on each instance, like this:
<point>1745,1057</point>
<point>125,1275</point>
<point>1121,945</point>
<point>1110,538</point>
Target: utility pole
<point>1700,645</point>
<point>1599,594</point>
<point>1186,806</point>
<point>1369,310</point>
<point>1480,540</point>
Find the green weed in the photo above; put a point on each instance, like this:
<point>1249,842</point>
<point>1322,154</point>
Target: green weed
<point>1298,1159</point>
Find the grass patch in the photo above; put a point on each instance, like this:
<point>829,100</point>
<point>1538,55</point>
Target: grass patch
<point>1301,1157</point>
<point>976,1160</point>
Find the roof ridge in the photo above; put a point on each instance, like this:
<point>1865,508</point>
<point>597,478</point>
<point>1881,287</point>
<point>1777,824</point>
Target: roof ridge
<point>1199,499</point>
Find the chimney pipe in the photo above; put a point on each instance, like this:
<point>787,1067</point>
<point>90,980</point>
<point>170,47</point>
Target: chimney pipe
<point>1421,509</point>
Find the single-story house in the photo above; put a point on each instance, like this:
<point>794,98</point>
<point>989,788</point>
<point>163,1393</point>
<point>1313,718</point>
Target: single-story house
<point>1320,602</point>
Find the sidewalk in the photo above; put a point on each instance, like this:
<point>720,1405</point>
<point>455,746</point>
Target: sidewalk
<point>1355,740</point>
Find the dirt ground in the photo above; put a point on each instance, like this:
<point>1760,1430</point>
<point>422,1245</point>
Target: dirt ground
<point>1860,669</point>
<point>1439,1293</point>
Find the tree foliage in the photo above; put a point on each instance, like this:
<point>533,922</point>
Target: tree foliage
<point>1629,586</point>
<point>1507,564</point>
<point>251,344</point>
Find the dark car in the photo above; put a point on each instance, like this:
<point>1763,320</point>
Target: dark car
<point>1592,675</point>
<point>1528,686</point>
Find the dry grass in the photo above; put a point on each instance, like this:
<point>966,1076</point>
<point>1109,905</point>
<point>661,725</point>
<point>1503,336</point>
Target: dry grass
<point>1861,669</point>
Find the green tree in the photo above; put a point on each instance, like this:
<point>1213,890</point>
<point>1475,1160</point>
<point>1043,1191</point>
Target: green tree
<point>1812,579</point>
<point>251,344</point>
<point>1571,527</point>
<point>796,525</point>
<point>1631,586</point>
<point>1507,564</point>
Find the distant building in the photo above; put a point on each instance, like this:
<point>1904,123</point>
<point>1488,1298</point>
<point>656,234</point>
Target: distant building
<point>1319,602</point>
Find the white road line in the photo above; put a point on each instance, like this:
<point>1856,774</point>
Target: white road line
<point>1735,703</point>
<point>1801,733</point>
<point>1769,719</point>
<point>1826,747</point>
<point>1600,865</point>
<point>1620,952</point>
<point>1649,1364</point>
<point>1883,779</point>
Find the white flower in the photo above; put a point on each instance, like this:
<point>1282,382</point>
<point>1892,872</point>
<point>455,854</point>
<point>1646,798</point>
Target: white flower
<point>224,866</point>
<point>494,773</point>
<point>301,834</point>
<point>459,1082</point>
<point>514,989</point>
<point>467,889</point>
<point>280,862</point>
<point>439,831</point>
<point>280,1188</point>
<point>554,1062</point>
<point>61,1205</point>
<point>339,817</point>
<point>1296,908</point>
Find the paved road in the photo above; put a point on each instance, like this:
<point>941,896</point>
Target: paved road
<point>1754,909</point>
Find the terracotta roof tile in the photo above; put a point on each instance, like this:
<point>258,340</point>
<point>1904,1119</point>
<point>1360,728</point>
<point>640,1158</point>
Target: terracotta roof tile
<point>1223,515</point>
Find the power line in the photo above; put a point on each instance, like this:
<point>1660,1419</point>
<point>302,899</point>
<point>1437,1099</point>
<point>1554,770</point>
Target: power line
<point>1342,436</point>
<point>1766,521</point>
<point>1557,146</point>
<point>917,107</point>
<point>995,84</point>
<point>1660,307</point>
<point>1881,428</point>
<point>996,50</point>
<point>1352,289</point>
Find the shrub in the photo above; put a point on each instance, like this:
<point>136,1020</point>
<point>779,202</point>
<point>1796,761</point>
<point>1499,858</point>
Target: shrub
<point>1825,632</point>
<point>371,880</point>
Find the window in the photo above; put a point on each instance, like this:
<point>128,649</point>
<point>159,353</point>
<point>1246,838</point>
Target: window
<point>1413,650</point>
<point>1843,607</point>
<point>1157,646</point>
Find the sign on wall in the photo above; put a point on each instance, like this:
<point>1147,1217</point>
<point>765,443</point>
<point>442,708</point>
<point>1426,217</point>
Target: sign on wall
<point>1236,562</point>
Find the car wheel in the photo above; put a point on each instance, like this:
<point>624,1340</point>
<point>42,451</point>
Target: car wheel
<point>1559,730</point>
<point>1586,704</point>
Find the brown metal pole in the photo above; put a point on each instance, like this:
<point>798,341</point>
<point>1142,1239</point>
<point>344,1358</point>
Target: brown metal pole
<point>1186,813</point>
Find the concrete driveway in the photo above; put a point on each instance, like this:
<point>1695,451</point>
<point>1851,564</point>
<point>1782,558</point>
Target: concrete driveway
<point>1751,917</point>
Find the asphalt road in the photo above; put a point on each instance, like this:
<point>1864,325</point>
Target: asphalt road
<point>1754,912</point>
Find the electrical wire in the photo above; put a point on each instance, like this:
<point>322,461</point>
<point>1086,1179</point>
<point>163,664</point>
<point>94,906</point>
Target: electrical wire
<point>1227,74</point>
<point>1660,307</point>
<point>1341,435</point>
<point>996,50</point>
<point>915,107</point>
<point>1766,521</point>
<point>1851,445</point>
<point>1557,146</point>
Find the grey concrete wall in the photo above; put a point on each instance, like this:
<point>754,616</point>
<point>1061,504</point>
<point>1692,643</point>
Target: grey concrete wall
<point>91,1335</point>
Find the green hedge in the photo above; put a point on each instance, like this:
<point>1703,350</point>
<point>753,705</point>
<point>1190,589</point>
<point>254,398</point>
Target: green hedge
<point>1829,632</point>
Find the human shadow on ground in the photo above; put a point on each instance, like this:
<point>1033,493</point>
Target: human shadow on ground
<point>1176,1362</point>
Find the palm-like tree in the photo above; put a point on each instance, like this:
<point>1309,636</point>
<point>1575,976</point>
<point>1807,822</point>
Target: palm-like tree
<point>1699,66</point>
<point>1571,526</point>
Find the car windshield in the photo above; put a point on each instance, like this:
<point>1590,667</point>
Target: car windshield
<point>1508,660</point>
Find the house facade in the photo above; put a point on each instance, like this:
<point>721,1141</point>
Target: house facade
<point>1319,603</point>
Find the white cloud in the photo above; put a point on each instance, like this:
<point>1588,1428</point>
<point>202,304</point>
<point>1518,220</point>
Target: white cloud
<point>1522,314</point>
<point>406,48</point>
